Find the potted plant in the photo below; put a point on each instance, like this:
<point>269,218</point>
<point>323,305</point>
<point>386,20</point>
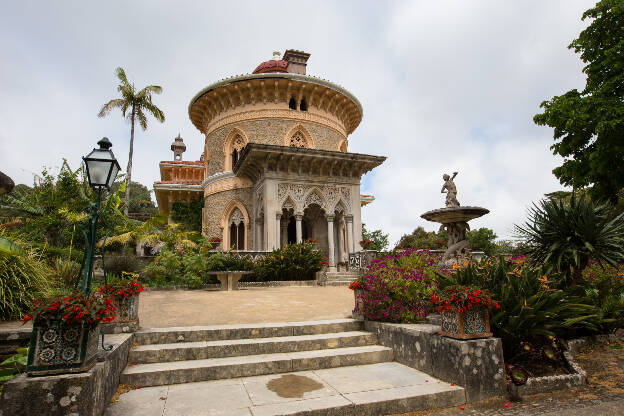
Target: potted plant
<point>366,244</point>
<point>65,333</point>
<point>125,296</point>
<point>464,311</point>
<point>356,286</point>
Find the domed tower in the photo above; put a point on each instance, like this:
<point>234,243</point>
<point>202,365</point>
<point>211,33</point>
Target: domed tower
<point>277,169</point>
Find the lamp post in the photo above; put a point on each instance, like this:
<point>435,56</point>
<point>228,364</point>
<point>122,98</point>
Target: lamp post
<point>102,169</point>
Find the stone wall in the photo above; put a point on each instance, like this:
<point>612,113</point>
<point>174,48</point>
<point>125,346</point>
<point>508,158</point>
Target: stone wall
<point>270,131</point>
<point>476,365</point>
<point>84,394</point>
<point>215,204</point>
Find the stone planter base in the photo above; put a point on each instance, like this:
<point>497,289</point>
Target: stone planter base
<point>471,324</point>
<point>126,316</point>
<point>354,314</point>
<point>59,349</point>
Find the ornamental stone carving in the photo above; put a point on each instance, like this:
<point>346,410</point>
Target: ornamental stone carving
<point>236,217</point>
<point>327,197</point>
<point>298,140</point>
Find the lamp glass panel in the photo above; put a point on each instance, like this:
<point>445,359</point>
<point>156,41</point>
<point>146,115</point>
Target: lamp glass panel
<point>98,171</point>
<point>100,154</point>
<point>113,175</point>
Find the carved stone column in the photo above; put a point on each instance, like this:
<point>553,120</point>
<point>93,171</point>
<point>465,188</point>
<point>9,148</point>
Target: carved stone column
<point>284,233</point>
<point>340,243</point>
<point>350,238</point>
<point>298,219</point>
<point>258,241</point>
<point>330,243</point>
<point>278,221</point>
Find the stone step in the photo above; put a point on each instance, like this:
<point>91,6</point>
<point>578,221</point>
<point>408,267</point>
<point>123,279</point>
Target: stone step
<point>375,389</point>
<point>156,353</point>
<point>337,283</point>
<point>243,331</point>
<point>251,365</point>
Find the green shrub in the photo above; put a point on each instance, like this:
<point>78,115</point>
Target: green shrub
<point>531,306</point>
<point>24,278</point>
<point>604,287</point>
<point>65,272</point>
<point>565,234</point>
<point>291,262</point>
<point>397,287</point>
<point>166,269</point>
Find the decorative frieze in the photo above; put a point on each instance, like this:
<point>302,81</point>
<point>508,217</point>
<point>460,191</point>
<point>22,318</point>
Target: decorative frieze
<point>300,197</point>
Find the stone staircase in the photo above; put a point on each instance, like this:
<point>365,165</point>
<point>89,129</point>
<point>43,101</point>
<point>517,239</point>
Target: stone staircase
<point>340,278</point>
<point>207,359</point>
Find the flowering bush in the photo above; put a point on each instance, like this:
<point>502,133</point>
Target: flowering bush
<point>122,289</point>
<point>73,310</point>
<point>397,287</point>
<point>463,298</point>
<point>291,262</point>
<point>366,244</point>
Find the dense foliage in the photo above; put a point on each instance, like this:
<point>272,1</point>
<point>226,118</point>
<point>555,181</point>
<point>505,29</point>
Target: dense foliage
<point>482,239</point>
<point>589,125</point>
<point>378,240</point>
<point>564,235</point>
<point>291,262</point>
<point>24,277</point>
<point>532,304</point>
<point>419,238</point>
<point>140,199</point>
<point>397,287</point>
<point>189,216</point>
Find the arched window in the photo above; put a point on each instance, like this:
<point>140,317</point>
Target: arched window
<point>237,145</point>
<point>237,230</point>
<point>303,106</point>
<point>298,140</point>
<point>292,104</point>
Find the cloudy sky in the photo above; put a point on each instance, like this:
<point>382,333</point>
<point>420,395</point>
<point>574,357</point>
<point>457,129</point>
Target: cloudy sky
<point>445,85</point>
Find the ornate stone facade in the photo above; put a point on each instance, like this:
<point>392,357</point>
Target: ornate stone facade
<point>276,163</point>
<point>268,131</point>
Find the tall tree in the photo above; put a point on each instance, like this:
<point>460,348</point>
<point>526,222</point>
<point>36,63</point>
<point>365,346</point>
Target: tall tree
<point>133,105</point>
<point>589,125</point>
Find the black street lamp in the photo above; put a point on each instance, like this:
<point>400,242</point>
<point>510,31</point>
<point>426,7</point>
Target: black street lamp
<point>102,169</point>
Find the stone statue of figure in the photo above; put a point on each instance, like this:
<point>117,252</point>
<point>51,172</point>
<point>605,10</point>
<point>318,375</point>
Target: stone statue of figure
<point>457,242</point>
<point>451,190</point>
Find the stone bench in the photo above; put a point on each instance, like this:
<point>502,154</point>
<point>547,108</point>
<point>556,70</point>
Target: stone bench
<point>229,279</point>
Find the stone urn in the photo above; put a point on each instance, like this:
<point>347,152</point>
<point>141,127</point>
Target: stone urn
<point>474,323</point>
<point>58,348</point>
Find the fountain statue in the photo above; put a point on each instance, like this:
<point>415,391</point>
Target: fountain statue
<point>455,219</point>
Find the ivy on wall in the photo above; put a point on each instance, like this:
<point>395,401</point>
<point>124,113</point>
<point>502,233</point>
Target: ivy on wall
<point>189,216</point>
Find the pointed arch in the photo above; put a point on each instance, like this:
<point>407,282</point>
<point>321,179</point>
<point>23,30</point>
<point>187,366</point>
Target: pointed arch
<point>299,136</point>
<point>234,143</point>
<point>235,207</point>
<point>315,196</point>
<point>289,204</point>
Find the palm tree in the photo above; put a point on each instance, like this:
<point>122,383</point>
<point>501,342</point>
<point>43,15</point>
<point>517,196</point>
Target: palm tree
<point>133,105</point>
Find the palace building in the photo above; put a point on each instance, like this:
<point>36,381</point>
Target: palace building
<point>276,167</point>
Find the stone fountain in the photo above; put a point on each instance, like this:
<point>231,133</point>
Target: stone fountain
<point>455,219</point>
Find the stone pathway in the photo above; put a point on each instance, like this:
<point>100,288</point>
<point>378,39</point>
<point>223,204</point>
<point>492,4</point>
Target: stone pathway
<point>370,388</point>
<point>159,309</point>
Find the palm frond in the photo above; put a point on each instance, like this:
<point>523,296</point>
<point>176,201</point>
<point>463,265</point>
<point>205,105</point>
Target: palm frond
<point>156,112</point>
<point>112,104</point>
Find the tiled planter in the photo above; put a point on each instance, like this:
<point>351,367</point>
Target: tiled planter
<point>470,324</point>
<point>127,308</point>
<point>59,349</point>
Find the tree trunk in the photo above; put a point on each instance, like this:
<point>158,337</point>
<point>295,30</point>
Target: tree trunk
<point>129,169</point>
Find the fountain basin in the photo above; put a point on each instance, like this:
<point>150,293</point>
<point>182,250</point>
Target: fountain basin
<point>454,214</point>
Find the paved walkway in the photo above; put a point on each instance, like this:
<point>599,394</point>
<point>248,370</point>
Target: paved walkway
<point>158,309</point>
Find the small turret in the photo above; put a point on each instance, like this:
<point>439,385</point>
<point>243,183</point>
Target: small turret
<point>178,148</point>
